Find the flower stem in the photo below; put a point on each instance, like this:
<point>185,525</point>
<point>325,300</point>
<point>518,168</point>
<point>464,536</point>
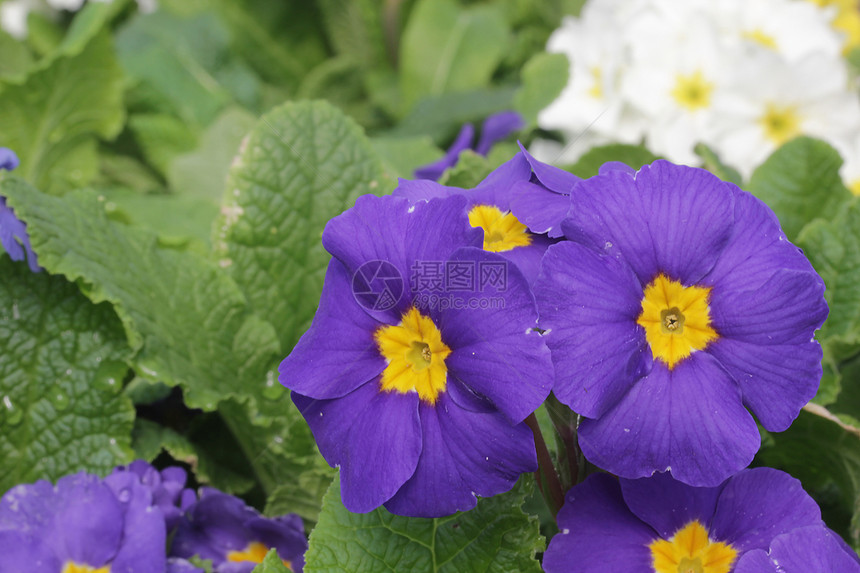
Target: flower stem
<point>570,458</point>
<point>546,476</point>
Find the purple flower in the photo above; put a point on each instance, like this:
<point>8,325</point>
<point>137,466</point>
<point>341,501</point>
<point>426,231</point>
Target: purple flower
<point>8,159</point>
<point>489,207</point>
<point>496,127</point>
<point>658,524</point>
<point>677,304</point>
<point>13,232</point>
<point>166,487</point>
<point>419,394</point>
<point>235,537</point>
<point>81,524</point>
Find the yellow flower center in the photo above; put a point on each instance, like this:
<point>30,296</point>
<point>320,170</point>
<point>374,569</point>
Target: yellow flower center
<point>416,357</point>
<point>854,186</point>
<point>254,553</point>
<point>691,551</point>
<point>502,231</point>
<point>847,21</point>
<point>72,567</point>
<point>692,91</point>
<point>761,38</point>
<point>780,123</point>
<point>676,319</point>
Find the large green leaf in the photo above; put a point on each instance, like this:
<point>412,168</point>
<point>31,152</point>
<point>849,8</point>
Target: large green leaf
<point>303,164</point>
<point>634,156</point>
<point>833,247</point>
<point>62,364</point>
<point>185,62</point>
<point>800,182</point>
<point>271,564</point>
<point>449,48</point>
<point>495,536</point>
<point>203,172</point>
<point>52,119</point>
<point>186,317</point>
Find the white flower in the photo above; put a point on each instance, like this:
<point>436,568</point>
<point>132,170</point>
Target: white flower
<point>773,102</point>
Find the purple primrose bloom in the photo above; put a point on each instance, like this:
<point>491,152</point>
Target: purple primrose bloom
<point>167,487</point>
<point>660,525</point>
<point>81,524</point>
<point>496,127</point>
<point>677,304</point>
<point>422,361</point>
<point>13,232</point>
<point>489,207</point>
<point>235,537</point>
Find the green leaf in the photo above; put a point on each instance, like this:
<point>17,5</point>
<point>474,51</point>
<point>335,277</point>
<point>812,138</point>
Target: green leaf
<point>52,119</point>
<point>178,220</point>
<point>355,29</point>
<point>272,564</point>
<point>16,60</point>
<point>633,155</point>
<point>495,536</point>
<point>62,363</point>
<point>303,164</point>
<point>162,137</point>
<point>543,78</point>
<point>183,61</point>
<point>470,170</point>
<point>402,155</point>
<point>189,320</point>
<point>714,164</point>
<point>800,182</point>
<point>824,454</point>
<point>91,19</point>
<point>833,247</point>
<point>301,495</point>
<point>203,172</point>
<point>441,117</point>
<point>447,48</point>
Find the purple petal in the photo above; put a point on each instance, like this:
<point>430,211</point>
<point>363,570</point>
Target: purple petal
<point>776,380</point>
<point>338,353</point>
<point>598,532</point>
<point>689,420</point>
<point>757,249</point>
<point>14,237</point>
<point>214,527</point>
<point>757,505</point>
<point>27,508</point>
<point>528,258</point>
<point>495,350</point>
<point>144,532</point>
<point>813,548</point>
<point>87,522</point>
<point>22,552</point>
<point>667,505</point>
<point>374,230</point>
<point>465,454</point>
<point>8,159</point>
<point>179,565</point>
<point>667,219</point>
<point>497,127</point>
<point>286,534</point>
<point>373,436</point>
<point>462,142</point>
<point>784,310</point>
<point>423,190</point>
<point>589,301</point>
<point>551,177</point>
<point>539,209</point>
<point>616,166</point>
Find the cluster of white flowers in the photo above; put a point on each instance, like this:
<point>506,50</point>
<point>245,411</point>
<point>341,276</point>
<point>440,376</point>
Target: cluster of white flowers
<point>741,76</point>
